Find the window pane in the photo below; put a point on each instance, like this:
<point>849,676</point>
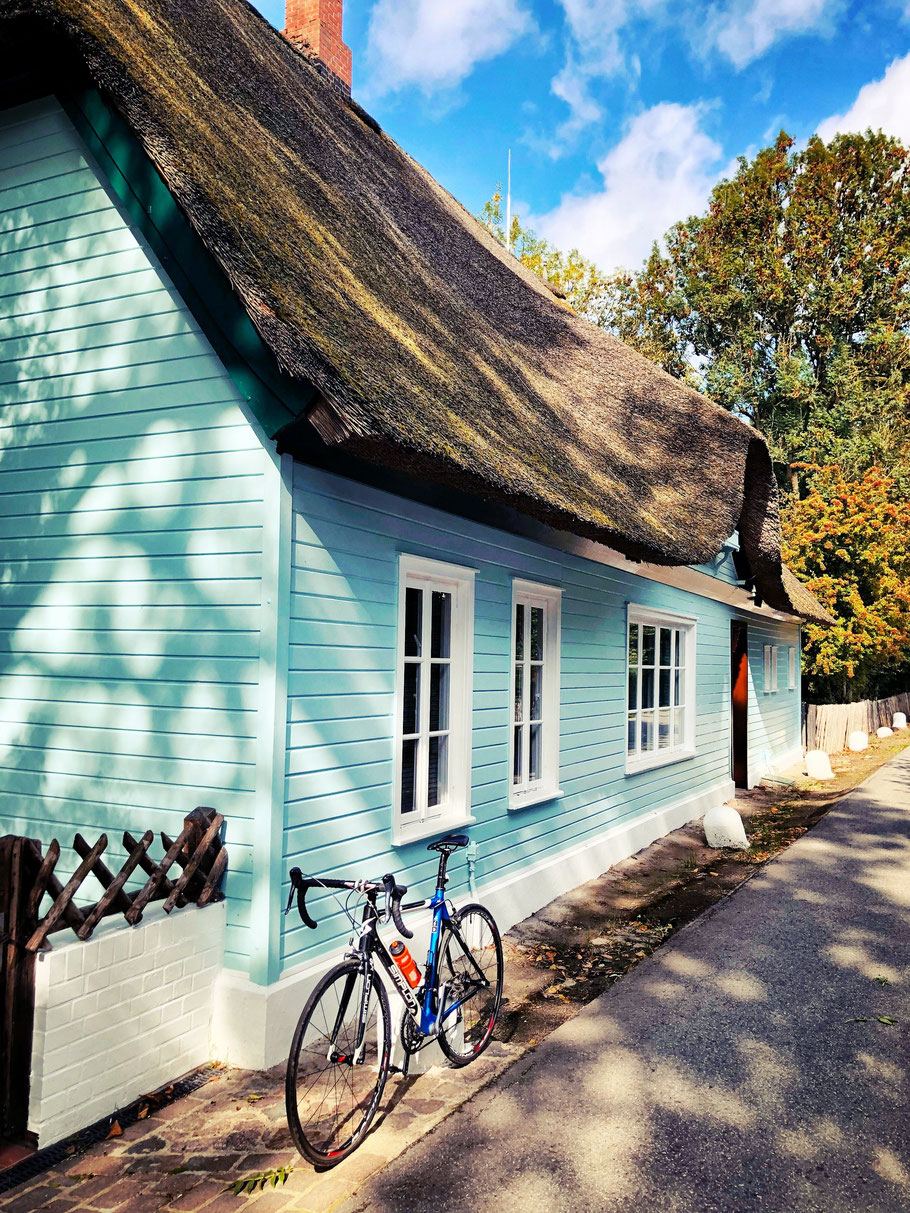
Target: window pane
<point>516,755</point>
<point>647,688</point>
<point>680,648</point>
<point>438,771</point>
<point>664,690</point>
<point>647,645</point>
<point>633,644</point>
<point>413,614</point>
<point>408,776</point>
<point>666,646</point>
<point>537,633</point>
<point>439,696</point>
<point>647,731</point>
<point>664,737</point>
<point>411,713</point>
<point>676,686</point>
<point>534,750</point>
<point>633,690</point>
<point>441,624</point>
<point>677,646</point>
<point>536,692</point>
<point>519,689</point>
<point>678,738</point>
<point>519,631</point>
<point>630,738</point>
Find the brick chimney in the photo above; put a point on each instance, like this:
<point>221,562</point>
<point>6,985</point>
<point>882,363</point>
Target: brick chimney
<point>315,26</point>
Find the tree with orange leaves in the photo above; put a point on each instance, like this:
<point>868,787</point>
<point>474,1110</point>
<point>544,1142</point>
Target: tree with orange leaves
<point>849,541</point>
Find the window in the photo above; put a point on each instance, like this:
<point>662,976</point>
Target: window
<point>535,693</point>
<point>660,718</point>
<point>770,672</point>
<point>433,725</point>
<point>791,669</point>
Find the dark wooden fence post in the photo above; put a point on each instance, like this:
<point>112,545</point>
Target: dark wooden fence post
<point>20,863</point>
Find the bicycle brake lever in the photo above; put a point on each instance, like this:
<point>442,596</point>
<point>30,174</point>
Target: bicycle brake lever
<point>295,877</point>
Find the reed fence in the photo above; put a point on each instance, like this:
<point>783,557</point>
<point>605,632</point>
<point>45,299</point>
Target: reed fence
<point>829,725</point>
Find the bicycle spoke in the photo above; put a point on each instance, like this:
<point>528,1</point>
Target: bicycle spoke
<point>330,1099</point>
<point>471,971</point>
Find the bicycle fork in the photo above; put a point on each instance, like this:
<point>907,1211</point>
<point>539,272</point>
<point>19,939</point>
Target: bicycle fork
<point>356,1058</point>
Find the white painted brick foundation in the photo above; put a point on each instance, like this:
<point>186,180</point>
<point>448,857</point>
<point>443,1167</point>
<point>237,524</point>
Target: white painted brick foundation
<point>121,1014</point>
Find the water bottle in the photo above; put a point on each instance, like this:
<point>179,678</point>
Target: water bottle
<point>405,962</point>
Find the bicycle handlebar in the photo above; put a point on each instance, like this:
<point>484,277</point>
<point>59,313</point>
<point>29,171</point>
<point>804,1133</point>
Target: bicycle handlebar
<point>393,893</point>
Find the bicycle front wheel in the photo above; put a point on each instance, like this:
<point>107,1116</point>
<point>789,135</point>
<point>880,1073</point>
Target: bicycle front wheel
<point>336,1073</point>
<point>470,984</point>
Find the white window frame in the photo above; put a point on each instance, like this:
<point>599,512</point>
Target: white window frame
<point>791,668</point>
<point>424,822</point>
<point>654,617</point>
<point>549,598</point>
<point>772,656</point>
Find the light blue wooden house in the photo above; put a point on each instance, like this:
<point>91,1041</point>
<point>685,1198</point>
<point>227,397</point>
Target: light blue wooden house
<point>317,507</point>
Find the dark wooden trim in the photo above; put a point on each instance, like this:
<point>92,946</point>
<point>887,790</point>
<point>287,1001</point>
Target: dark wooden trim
<point>20,863</point>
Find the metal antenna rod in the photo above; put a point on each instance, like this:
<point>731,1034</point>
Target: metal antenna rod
<point>509,205</point>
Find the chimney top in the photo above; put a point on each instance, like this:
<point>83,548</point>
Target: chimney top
<point>314,26</point>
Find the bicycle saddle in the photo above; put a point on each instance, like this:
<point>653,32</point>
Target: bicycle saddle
<point>450,843</point>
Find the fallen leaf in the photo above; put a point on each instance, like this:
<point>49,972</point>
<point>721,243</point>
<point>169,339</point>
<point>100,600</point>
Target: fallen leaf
<point>114,1130</point>
<point>882,981</point>
<point>143,1112</point>
<point>886,1019</point>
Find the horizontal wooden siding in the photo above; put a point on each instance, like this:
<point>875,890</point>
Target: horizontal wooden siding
<point>347,539</point>
<point>131,499</point>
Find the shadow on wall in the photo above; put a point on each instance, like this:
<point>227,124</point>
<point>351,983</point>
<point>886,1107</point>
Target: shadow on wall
<point>744,1063</point>
<point>131,490</point>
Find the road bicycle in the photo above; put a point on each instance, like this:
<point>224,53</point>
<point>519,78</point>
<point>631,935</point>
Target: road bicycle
<point>341,1051</point>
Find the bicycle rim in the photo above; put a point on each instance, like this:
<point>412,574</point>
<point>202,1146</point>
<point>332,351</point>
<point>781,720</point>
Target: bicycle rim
<point>332,1090</point>
<point>469,1011</point>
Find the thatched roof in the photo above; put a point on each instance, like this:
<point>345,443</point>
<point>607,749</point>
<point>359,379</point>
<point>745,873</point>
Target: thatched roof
<point>433,350</point>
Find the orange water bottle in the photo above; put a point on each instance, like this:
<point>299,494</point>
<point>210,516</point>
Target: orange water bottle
<point>405,962</point>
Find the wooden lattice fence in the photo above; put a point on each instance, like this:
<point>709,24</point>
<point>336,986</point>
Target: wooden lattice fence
<point>27,876</point>
<point>828,725</point>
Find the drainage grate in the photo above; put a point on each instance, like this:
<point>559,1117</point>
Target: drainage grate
<point>78,1143</point>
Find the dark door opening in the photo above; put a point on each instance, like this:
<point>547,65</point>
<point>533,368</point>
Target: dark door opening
<point>739,708</point>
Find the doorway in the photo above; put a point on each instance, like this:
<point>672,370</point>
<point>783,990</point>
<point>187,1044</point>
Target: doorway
<point>739,706</point>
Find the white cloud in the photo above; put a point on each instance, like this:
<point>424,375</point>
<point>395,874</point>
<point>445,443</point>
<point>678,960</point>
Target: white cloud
<point>881,104</point>
<point>662,170</point>
<point>595,49</point>
<point>745,29</point>
<point>603,35</point>
<point>435,44</point>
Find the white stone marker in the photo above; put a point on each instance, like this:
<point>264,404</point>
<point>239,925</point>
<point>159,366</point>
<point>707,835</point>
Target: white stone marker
<point>884,731</point>
<point>858,741</point>
<point>899,721</point>
<point>818,765</point>
<point>724,828</point>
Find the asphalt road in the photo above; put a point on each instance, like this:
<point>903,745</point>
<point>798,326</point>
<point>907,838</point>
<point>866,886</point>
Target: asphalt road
<point>742,1067</point>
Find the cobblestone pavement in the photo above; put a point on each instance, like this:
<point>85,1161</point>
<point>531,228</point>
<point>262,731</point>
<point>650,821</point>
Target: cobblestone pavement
<point>187,1154</point>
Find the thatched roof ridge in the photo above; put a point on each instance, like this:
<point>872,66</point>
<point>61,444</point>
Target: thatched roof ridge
<point>434,351</point>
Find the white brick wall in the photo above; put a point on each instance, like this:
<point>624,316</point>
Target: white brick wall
<point>121,1014</point>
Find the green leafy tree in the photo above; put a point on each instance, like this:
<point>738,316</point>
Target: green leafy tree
<point>849,540</point>
<point>788,302</point>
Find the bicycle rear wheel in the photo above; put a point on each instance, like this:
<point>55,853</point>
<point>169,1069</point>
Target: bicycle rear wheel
<point>332,1088</point>
<point>470,969</point>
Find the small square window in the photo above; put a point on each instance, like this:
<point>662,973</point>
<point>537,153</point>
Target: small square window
<point>660,686</point>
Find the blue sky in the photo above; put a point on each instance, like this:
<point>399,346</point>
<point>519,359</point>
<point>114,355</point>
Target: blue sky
<point>621,114</point>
